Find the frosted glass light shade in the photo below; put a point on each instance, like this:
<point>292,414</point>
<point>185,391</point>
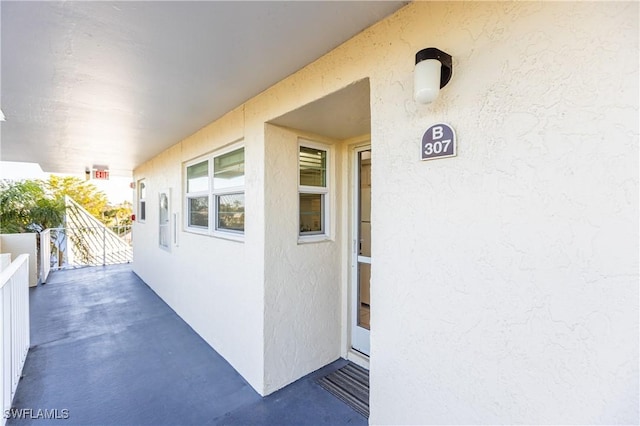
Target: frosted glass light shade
<point>426,84</point>
<point>433,71</point>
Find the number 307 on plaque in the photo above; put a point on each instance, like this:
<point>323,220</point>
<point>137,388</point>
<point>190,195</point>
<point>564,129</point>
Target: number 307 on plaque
<point>439,141</point>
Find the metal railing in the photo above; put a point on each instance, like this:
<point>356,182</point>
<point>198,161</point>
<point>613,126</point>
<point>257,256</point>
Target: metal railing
<point>86,246</point>
<point>123,232</point>
<point>44,250</point>
<point>84,241</point>
<point>14,328</point>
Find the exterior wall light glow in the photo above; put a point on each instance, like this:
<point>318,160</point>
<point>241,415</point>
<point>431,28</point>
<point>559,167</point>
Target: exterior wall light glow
<point>432,73</point>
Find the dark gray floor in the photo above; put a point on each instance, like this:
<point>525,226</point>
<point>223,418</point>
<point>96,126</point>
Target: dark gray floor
<point>108,350</point>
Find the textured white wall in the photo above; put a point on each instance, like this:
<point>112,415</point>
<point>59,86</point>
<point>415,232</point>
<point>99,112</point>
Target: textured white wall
<point>505,280</point>
<point>5,259</point>
<point>215,285</point>
<point>302,281</point>
<point>17,244</point>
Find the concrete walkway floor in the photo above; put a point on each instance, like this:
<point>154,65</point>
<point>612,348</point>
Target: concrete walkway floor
<point>105,350</point>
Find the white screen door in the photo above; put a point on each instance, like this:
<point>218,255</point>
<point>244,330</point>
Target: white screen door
<point>361,265</point>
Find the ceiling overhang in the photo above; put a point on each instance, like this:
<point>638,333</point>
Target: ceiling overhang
<point>116,83</point>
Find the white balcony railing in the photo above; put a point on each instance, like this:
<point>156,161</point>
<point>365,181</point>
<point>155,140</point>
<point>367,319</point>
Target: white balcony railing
<point>14,328</point>
<point>45,255</point>
<point>83,241</point>
<point>85,246</point>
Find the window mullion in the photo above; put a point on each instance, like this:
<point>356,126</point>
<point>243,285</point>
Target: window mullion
<point>313,190</point>
<point>314,167</point>
<point>230,176</point>
<point>223,182</point>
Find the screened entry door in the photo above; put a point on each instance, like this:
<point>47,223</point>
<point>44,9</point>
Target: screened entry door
<point>361,265</point>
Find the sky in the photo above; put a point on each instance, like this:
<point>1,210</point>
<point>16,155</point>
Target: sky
<point>116,188</point>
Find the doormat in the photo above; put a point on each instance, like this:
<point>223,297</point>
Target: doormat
<point>351,385</point>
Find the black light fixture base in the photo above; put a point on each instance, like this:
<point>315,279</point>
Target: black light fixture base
<point>443,57</point>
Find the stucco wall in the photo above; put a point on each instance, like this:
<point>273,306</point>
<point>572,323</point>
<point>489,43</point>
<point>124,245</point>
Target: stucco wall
<point>216,285</point>
<point>5,260</point>
<point>506,291</point>
<point>17,244</point>
<point>302,280</point>
<point>505,280</point>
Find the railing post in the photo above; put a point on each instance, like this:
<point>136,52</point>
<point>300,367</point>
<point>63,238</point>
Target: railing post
<point>14,328</point>
<point>104,246</point>
<point>45,255</point>
<point>82,244</point>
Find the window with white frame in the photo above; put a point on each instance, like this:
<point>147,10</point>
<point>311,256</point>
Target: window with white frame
<point>313,189</point>
<point>228,190</point>
<point>197,195</point>
<point>142,200</point>
<point>163,215</point>
<point>216,184</point>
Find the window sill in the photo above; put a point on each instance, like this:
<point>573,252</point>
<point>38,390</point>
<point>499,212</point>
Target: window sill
<point>197,231</point>
<point>310,239</point>
<point>230,236</point>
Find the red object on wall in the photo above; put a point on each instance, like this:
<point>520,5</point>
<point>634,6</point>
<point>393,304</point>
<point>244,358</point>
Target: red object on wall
<point>133,218</point>
<point>101,174</point>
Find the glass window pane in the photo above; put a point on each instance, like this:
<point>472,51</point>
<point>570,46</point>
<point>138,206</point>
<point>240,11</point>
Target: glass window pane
<point>198,177</point>
<point>313,167</point>
<point>199,212</point>
<point>143,210</point>
<point>164,208</point>
<point>228,170</point>
<point>364,201</point>
<point>164,220</point>
<point>231,212</point>
<point>311,214</point>
<point>164,236</point>
<point>364,283</point>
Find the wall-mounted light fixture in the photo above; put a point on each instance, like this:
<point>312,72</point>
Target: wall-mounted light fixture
<point>433,72</point>
<point>2,118</point>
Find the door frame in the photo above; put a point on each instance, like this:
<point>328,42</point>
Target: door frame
<point>359,337</point>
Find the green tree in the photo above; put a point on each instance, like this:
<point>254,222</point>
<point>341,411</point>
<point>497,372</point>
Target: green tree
<point>34,205</point>
<point>27,206</point>
<point>83,192</point>
<point>118,215</point>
